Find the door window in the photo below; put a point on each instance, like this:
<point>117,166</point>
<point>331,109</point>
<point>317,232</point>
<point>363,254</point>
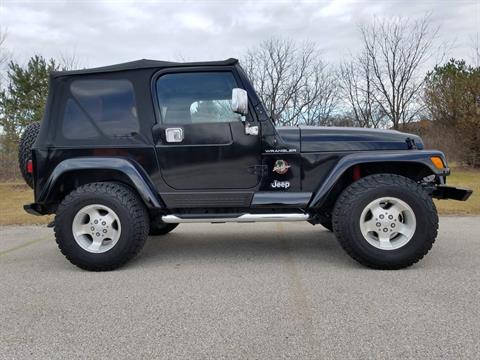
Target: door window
<point>195,98</point>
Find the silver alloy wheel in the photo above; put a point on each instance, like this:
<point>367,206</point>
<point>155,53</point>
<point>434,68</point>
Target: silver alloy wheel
<point>96,228</point>
<point>388,223</point>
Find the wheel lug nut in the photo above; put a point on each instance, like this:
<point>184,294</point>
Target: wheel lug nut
<point>104,231</point>
<point>96,221</point>
<point>104,223</point>
<point>92,228</point>
<point>385,229</point>
<point>381,216</point>
<point>390,217</point>
<point>378,224</point>
<point>393,225</point>
<point>98,234</point>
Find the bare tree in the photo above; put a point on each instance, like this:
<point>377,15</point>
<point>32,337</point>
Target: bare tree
<point>359,93</point>
<point>69,60</point>
<point>396,50</point>
<point>475,40</point>
<point>292,81</point>
<point>3,53</point>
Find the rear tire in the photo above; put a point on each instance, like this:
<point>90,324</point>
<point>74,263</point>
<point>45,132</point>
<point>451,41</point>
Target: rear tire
<point>373,240</point>
<point>101,226</point>
<point>27,140</point>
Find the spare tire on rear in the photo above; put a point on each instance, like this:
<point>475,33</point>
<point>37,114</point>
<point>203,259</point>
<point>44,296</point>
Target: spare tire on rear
<point>27,140</point>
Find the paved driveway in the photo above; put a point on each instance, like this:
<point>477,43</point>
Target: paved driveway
<point>256,291</point>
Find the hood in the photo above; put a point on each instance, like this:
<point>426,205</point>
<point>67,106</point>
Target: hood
<point>322,139</point>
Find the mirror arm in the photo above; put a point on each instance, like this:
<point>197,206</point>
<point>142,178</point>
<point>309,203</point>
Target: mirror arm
<point>261,113</point>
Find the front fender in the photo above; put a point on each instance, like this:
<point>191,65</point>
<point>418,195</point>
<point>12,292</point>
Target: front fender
<point>345,163</point>
<point>135,174</point>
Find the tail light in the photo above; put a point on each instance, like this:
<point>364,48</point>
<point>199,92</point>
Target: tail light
<point>30,166</point>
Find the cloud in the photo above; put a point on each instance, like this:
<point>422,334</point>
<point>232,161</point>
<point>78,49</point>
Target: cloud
<point>191,21</point>
<point>336,8</point>
<point>106,32</point>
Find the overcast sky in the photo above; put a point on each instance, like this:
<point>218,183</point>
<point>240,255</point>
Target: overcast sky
<point>106,32</point>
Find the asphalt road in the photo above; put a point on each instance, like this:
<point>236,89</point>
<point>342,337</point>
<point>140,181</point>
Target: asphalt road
<point>255,291</point>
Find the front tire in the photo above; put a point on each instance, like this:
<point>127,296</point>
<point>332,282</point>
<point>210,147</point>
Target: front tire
<point>385,221</point>
<point>101,226</point>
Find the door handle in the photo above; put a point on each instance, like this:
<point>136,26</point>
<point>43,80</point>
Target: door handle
<point>174,135</point>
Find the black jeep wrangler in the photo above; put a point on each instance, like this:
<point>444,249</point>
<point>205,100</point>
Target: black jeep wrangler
<point>134,149</point>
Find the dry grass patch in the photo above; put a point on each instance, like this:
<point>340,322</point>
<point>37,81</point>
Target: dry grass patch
<point>13,196</point>
<point>466,178</point>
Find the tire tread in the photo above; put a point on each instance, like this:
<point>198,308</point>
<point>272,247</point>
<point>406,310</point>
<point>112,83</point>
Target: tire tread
<point>27,140</point>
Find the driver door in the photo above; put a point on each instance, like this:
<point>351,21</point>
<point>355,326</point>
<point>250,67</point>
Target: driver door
<point>200,142</point>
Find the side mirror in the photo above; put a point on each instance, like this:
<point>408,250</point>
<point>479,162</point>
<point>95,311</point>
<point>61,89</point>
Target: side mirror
<point>239,101</point>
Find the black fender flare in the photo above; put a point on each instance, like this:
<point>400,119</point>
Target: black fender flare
<point>358,158</point>
<point>136,175</point>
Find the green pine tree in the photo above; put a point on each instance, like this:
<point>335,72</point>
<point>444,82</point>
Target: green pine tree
<point>23,100</point>
<point>452,95</point>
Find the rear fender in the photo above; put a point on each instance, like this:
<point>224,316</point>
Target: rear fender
<point>115,169</point>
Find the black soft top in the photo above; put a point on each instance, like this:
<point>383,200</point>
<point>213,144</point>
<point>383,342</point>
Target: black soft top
<point>142,64</point>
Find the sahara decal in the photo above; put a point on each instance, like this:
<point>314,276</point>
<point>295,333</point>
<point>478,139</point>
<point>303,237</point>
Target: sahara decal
<point>281,167</point>
<point>280,184</point>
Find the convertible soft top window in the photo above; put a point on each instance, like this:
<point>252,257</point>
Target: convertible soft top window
<point>100,108</point>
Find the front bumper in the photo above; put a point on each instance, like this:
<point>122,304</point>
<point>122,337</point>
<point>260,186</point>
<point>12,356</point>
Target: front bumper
<point>450,192</point>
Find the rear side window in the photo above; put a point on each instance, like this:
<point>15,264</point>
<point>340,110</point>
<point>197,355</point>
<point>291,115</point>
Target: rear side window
<point>100,108</point>
<point>190,98</point>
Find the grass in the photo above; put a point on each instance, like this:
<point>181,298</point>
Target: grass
<point>466,178</point>
<point>14,195</point>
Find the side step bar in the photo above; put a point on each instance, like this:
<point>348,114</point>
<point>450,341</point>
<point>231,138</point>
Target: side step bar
<point>224,218</point>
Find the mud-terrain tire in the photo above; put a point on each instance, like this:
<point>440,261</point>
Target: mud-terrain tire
<point>158,227</point>
<point>371,202</point>
<point>110,208</point>
<point>27,140</point>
